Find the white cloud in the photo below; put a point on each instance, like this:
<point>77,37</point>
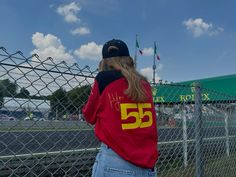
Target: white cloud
<point>216,32</point>
<point>148,51</point>
<point>81,31</point>
<point>50,46</point>
<point>198,27</point>
<point>91,51</point>
<point>69,12</point>
<point>148,72</point>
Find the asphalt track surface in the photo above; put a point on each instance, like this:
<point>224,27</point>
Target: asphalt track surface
<point>20,142</point>
<point>72,153</point>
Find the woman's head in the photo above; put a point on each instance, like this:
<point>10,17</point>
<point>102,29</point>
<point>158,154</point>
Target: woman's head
<point>114,48</point>
<point>116,57</point>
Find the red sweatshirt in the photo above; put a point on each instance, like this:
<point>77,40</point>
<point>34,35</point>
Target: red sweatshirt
<point>127,127</point>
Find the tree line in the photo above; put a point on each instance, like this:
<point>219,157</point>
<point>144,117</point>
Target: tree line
<point>61,101</point>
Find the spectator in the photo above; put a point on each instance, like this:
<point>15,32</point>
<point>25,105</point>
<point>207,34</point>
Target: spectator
<point>121,107</point>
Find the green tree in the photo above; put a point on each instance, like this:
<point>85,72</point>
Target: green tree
<point>24,93</point>
<point>77,98</point>
<point>59,103</point>
<point>8,88</point>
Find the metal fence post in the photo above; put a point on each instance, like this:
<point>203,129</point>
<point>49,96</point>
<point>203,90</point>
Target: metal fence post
<point>227,132</point>
<point>198,131</point>
<point>185,138</point>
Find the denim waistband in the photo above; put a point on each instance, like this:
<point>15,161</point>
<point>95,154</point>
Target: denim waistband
<point>106,149</point>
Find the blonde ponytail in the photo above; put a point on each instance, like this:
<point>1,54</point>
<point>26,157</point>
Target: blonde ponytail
<point>125,64</point>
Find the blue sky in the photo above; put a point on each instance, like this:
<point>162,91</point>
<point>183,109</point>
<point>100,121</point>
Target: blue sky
<point>195,38</point>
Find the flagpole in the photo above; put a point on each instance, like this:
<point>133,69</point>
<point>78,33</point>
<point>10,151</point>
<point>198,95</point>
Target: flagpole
<point>135,55</point>
<point>154,64</point>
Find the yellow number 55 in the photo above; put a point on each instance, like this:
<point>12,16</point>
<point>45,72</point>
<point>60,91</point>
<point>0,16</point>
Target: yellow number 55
<point>138,114</point>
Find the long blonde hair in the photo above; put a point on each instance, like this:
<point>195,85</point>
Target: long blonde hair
<point>125,64</point>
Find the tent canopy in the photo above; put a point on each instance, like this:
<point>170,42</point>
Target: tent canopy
<point>221,88</point>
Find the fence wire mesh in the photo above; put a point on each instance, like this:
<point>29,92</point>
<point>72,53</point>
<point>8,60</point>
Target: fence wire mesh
<point>197,129</point>
<point>43,133</point>
<point>42,130</point>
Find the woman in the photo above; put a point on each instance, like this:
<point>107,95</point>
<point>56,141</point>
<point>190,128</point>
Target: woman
<point>121,107</point>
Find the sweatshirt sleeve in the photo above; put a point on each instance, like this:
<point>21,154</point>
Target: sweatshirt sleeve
<point>91,107</point>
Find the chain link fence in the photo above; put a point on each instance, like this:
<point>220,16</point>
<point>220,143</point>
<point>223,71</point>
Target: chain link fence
<point>43,133</point>
<point>42,130</point>
<point>197,129</point>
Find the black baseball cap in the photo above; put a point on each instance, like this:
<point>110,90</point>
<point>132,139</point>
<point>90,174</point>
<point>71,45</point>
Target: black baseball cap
<point>114,48</point>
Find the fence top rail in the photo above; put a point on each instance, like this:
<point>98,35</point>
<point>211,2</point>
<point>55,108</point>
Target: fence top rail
<point>34,62</point>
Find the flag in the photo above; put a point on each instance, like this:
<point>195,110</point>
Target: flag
<point>137,46</point>
<point>155,52</point>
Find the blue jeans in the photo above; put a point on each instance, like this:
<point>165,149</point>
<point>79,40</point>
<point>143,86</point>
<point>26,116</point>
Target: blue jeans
<point>110,164</point>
